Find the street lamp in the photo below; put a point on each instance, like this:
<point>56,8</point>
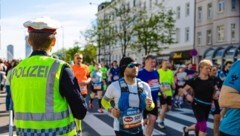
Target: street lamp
<point>63,54</point>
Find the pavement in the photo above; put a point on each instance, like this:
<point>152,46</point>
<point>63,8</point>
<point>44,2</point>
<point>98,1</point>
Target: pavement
<point>4,116</point>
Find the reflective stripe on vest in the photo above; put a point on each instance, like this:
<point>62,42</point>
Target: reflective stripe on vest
<point>49,114</point>
<point>46,132</point>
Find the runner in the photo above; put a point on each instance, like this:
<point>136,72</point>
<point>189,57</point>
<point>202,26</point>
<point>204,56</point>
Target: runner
<point>215,109</point>
<point>97,84</point>
<point>149,75</point>
<point>131,96</point>
<point>230,99</point>
<point>166,79</point>
<point>203,88</point>
<point>114,72</point>
<point>82,74</point>
<point>180,78</point>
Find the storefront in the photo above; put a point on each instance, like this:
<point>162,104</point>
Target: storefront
<point>221,55</point>
<point>181,57</point>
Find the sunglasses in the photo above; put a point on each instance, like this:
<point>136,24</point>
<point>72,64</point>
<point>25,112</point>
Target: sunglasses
<point>79,58</point>
<point>132,65</point>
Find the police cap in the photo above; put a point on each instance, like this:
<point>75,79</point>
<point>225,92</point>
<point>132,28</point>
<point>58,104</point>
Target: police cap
<point>42,25</point>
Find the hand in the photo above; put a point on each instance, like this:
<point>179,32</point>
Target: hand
<point>216,95</point>
<point>148,102</point>
<point>93,79</point>
<point>83,83</point>
<point>181,91</point>
<point>115,112</point>
<point>145,122</point>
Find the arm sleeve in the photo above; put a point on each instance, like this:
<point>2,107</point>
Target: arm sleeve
<point>107,97</point>
<point>70,90</point>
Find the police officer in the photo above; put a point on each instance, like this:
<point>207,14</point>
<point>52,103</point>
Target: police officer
<point>44,88</point>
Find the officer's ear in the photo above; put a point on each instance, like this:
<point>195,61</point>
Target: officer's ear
<point>29,42</point>
<point>53,42</point>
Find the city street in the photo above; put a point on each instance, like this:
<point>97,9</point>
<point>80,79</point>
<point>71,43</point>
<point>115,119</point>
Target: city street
<point>100,124</point>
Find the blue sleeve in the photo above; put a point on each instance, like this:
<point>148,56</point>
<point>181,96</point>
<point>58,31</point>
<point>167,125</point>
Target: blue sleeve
<point>233,77</point>
<point>140,75</point>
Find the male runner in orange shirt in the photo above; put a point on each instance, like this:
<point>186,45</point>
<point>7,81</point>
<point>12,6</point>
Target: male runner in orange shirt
<point>82,74</point>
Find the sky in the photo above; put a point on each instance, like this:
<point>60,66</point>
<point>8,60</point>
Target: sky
<point>74,15</point>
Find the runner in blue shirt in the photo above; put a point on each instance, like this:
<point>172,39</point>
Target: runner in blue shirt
<point>149,75</point>
<point>230,99</point>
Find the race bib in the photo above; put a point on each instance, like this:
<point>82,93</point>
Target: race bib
<point>115,77</point>
<point>132,119</point>
<point>97,87</point>
<point>154,84</point>
<point>180,83</point>
<point>167,86</point>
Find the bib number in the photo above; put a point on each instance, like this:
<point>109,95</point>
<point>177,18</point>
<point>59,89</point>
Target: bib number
<point>97,87</point>
<point>132,120</point>
<point>115,77</point>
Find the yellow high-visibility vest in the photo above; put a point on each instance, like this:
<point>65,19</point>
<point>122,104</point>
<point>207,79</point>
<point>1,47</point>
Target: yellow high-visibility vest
<point>38,105</point>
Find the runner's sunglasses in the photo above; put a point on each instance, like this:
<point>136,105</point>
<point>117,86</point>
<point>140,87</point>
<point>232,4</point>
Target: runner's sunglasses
<point>132,65</point>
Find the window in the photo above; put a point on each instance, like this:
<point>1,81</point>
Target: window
<point>199,38</point>
<point>187,9</point>
<point>178,12</point>
<point>150,3</point>
<point>128,6</point>
<point>144,5</point>
<point>134,3</point>
<point>177,35</point>
<point>187,34</point>
<point>233,31</point>
<point>221,6</point>
<point>199,13</point>
<point>234,4</point>
<point>209,10</point>
<point>156,1</point>
<point>209,37</point>
<point>220,33</point>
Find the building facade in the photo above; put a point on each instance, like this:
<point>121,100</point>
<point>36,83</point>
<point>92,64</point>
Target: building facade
<point>179,52</point>
<point>10,52</point>
<point>217,30</point>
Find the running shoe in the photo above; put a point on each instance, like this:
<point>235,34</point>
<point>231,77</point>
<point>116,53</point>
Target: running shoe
<point>79,133</point>
<point>185,133</point>
<point>161,125</point>
<point>100,110</point>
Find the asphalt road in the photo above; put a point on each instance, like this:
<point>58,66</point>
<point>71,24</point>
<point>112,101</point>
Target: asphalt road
<point>100,124</point>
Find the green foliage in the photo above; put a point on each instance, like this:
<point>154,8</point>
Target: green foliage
<point>126,17</point>
<point>69,54</point>
<point>89,53</point>
<point>152,31</point>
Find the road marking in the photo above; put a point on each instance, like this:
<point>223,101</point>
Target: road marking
<point>185,110</point>
<point>187,118</point>
<point>98,125</point>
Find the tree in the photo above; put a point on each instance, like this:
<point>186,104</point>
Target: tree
<point>126,17</point>
<point>102,34</point>
<point>152,30</point>
<point>89,53</point>
<point>70,53</point>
